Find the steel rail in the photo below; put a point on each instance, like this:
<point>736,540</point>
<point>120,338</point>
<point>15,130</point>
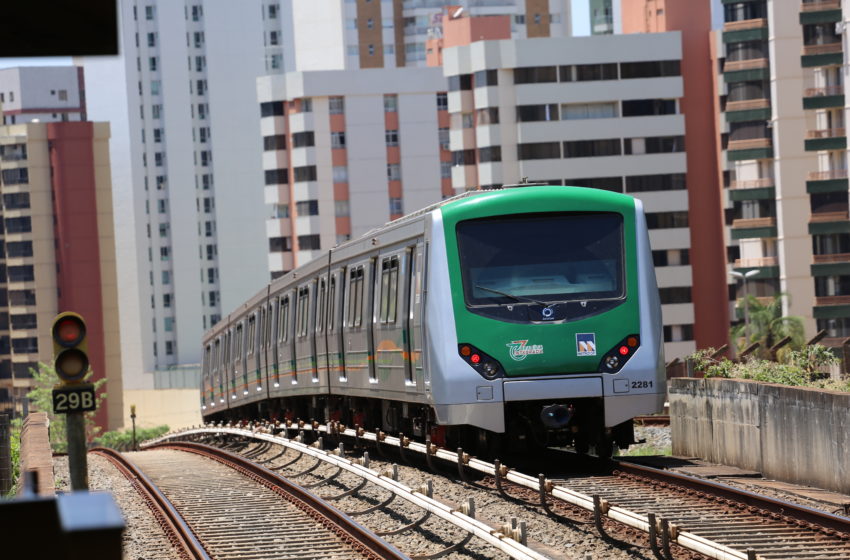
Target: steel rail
<point>629,518</point>
<point>177,530</point>
<point>503,540</point>
<point>362,536</point>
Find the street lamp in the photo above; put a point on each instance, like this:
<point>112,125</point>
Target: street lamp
<point>744,276</point>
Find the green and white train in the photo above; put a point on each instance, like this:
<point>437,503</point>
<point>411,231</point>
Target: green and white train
<point>527,315</point>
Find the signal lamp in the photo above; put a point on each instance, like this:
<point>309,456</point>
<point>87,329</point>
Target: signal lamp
<point>632,341</point>
<point>624,350</point>
<point>71,360</point>
<point>485,365</point>
<point>475,358</point>
<point>616,358</point>
<point>465,351</point>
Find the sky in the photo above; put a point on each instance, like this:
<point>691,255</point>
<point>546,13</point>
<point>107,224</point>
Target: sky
<point>35,61</point>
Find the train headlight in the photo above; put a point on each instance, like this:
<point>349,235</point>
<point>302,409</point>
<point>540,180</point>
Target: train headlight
<point>486,366</point>
<point>614,360</point>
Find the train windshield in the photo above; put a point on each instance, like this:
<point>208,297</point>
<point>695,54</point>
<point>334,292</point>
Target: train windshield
<point>542,259</point>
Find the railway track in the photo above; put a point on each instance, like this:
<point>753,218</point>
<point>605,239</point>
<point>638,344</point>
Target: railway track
<point>669,509</point>
<point>226,507</point>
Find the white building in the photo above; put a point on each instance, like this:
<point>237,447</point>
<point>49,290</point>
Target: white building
<point>599,111</point>
<point>187,171</point>
<point>42,94</point>
<point>347,151</point>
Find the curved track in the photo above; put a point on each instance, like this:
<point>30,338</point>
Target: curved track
<point>239,510</point>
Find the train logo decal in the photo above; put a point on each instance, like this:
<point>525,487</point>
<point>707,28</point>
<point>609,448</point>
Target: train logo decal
<point>586,344</point>
<point>547,313</point>
<point>519,349</point>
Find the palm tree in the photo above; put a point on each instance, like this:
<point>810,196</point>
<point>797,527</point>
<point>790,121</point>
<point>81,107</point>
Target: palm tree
<point>767,325</point>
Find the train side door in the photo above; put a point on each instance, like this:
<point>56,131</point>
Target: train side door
<point>322,352</point>
<point>389,331</point>
<point>334,325</point>
<point>357,323</point>
<point>304,340</point>
<point>285,338</point>
<point>415,317</point>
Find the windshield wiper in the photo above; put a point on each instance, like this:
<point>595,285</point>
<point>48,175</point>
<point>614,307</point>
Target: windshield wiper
<point>512,296</point>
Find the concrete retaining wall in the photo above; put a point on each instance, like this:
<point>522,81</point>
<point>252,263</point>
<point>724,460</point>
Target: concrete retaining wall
<point>786,433</point>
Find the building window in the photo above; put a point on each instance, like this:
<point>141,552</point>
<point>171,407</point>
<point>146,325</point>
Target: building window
<point>163,230</point>
<point>445,170</point>
<point>443,136</point>
<point>462,82</point>
<point>276,176</point>
<point>307,208</point>
<point>647,183</point>
<point>166,300</point>
<point>151,39</point>
<point>276,142</point>
<point>305,173</point>
<point>271,109</point>
<point>394,172</point>
<point>532,113</point>
<point>309,242</point>
<point>340,174</point>
<point>463,157</point>
<point>342,208</point>
<point>390,103</point>
<point>169,348</point>
<point>336,105</point>
<point>337,139</point>
<point>613,184</point>
<point>371,50</point>
<point>273,38</point>
<point>395,206</point>
<point>24,321</point>
<point>391,137</point>
<point>303,139</point>
<point>162,205</point>
<point>156,111</point>
<point>157,135</point>
<point>164,253</point>
<point>588,72</point>
<point>652,69</point>
<point>152,62</point>
<point>22,273</point>
<point>489,115</point>
<point>306,105</point>
<point>467,120</point>
<point>490,154</point>
<point>442,101</point>
<point>536,75</point>
<point>166,277</point>
<point>592,148</point>
<point>159,159</point>
<point>577,111</point>
<point>539,150</point>
<point>16,201</point>
<point>273,10</point>
<point>21,224</point>
<point>654,145</point>
<point>675,295</point>
<point>279,244</point>
<point>664,220</point>
<point>149,13</point>
<point>647,107</point>
<point>15,176</point>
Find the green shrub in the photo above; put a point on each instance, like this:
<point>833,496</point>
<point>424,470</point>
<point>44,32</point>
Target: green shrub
<point>123,439</point>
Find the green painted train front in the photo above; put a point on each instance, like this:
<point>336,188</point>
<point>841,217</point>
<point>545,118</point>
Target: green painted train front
<point>548,285</point>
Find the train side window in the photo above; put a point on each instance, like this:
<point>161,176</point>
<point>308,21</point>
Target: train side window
<point>207,367</point>
<point>389,289</point>
<point>283,318</point>
<point>321,305</point>
<point>303,311</point>
<point>267,342</point>
<point>355,298</point>
<point>212,364</point>
<point>237,343</point>
<point>225,356</point>
<point>331,303</point>
<point>252,330</point>
<point>261,328</point>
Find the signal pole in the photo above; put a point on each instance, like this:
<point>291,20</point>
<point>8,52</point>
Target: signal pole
<point>72,397</point>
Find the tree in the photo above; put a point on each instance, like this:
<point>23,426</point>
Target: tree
<point>41,397</point>
<point>767,326</point>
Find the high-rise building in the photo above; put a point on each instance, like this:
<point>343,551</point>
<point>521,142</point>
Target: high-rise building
<point>601,112</point>
<point>187,168</point>
<point>699,106</point>
<point>57,246</point>
<point>786,155</point>
<point>42,94</point>
<point>346,151</point>
<point>601,17</point>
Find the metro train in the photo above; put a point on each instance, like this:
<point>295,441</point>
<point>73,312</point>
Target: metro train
<point>523,316</point>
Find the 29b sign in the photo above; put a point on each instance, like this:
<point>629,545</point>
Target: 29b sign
<point>74,398</point>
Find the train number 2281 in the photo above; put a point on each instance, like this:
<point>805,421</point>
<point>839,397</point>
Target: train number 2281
<point>641,384</point>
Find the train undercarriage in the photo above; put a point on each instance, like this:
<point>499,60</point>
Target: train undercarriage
<point>529,425</point>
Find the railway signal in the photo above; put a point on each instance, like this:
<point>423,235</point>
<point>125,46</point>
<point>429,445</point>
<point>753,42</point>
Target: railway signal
<point>72,397</point>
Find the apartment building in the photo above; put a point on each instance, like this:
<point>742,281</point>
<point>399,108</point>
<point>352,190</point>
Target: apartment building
<point>346,151</point>
<point>57,245</point>
<point>601,112</point>
<point>187,167</point>
<point>42,94</point>
<point>785,154</point>
<point>393,33</point>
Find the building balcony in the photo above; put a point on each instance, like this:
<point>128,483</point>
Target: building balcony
<point>747,104</point>
<point>744,24</point>
<point>822,217</point>
<point>753,228</point>
<point>752,184</point>
<point>750,64</point>
<point>832,300</point>
<point>833,180</point>
<point>820,5</point>
<point>827,48</point>
<point>826,139</point>
<point>823,97</point>
<point>749,144</point>
<point>756,262</point>
<point>831,258</point>
<point>821,55</point>
<point>753,148</point>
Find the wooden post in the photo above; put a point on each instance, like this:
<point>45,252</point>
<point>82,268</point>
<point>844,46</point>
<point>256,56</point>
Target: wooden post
<point>77,461</point>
